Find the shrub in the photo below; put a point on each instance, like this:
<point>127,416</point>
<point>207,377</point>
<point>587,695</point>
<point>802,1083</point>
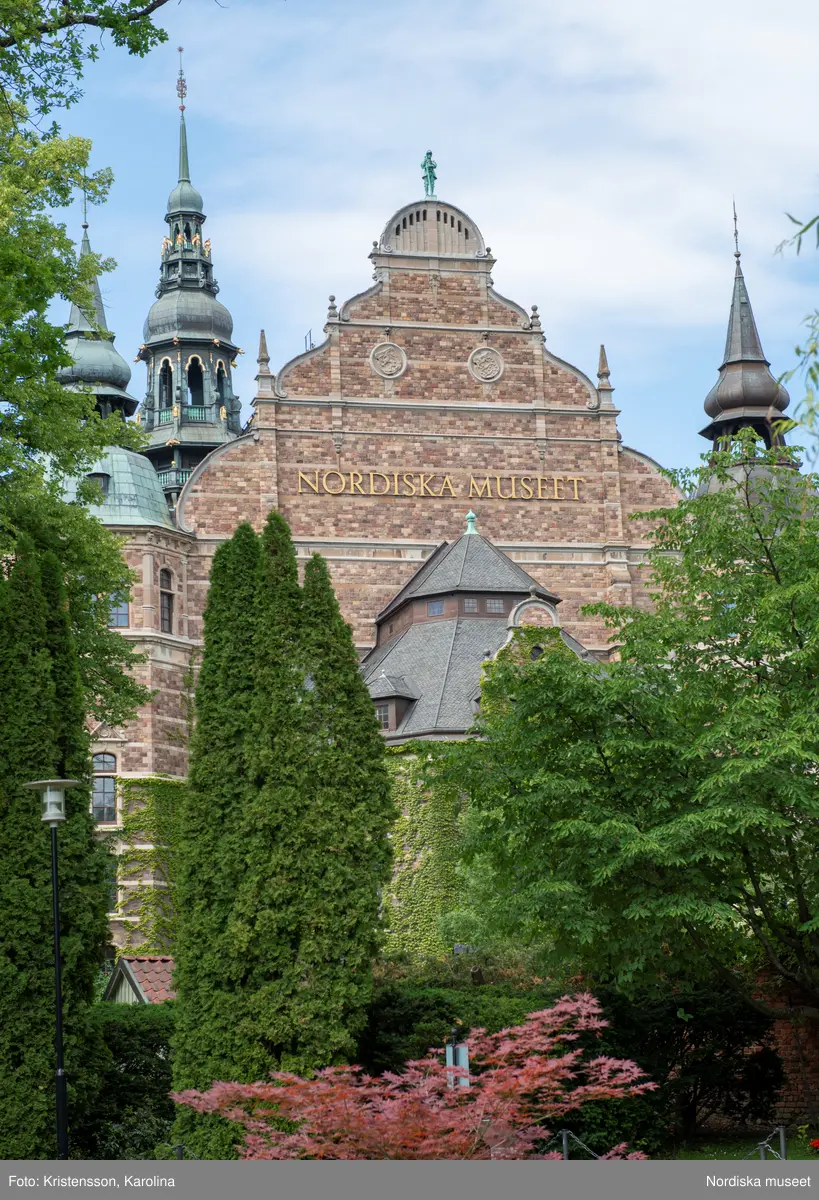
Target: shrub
<point>131,1110</point>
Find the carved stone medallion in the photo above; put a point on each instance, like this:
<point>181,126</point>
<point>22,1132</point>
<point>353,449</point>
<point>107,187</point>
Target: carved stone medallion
<point>485,364</point>
<point>388,360</point>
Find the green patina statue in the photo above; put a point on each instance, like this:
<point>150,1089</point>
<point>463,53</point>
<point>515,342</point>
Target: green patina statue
<point>428,167</point>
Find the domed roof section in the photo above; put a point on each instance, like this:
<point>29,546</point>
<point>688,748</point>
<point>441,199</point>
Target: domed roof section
<point>432,226</point>
<point>132,492</point>
<point>184,199</point>
<point>97,364</point>
<point>187,313</point>
<point>746,391</point>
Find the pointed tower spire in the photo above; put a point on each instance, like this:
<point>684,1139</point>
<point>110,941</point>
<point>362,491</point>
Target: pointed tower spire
<point>263,358</point>
<point>746,395</point>
<point>603,372</point>
<point>97,367</point>
<point>187,341</point>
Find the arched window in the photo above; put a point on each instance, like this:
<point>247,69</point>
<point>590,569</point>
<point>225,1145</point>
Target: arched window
<point>102,480</point>
<point>165,384</point>
<point>165,601</point>
<point>187,233</point>
<point>221,383</point>
<point>104,796</point>
<point>196,388</point>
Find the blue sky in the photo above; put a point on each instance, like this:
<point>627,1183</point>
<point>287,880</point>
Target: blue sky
<point>597,145</point>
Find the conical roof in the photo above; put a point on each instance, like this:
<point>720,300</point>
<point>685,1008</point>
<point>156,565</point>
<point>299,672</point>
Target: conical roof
<point>184,198</point>
<point>98,365</point>
<point>746,393</point>
<point>471,564</point>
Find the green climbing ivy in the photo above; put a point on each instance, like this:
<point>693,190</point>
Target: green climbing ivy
<point>150,835</point>
<point>425,884</point>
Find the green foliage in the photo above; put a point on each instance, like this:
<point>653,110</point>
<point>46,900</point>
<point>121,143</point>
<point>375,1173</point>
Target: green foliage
<point>424,885</point>
<point>416,1003</point>
<point>150,843</point>
<point>44,45</point>
<point>41,715</point>
<point>211,848</point>
<point>658,815</point>
<point>130,1111</point>
<point>284,850</point>
<point>710,1053</point>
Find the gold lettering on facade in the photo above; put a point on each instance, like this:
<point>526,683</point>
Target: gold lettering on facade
<point>333,491</point>
<point>484,489</point>
<point>313,484</point>
<point>379,475</point>
<point>333,482</point>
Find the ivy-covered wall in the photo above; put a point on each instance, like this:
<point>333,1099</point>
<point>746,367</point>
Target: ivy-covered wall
<point>146,858</point>
<point>425,840</point>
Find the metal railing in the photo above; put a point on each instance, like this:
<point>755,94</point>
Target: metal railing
<point>174,476</point>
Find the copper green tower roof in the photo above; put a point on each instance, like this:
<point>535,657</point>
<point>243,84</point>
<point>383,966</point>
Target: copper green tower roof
<point>97,365</point>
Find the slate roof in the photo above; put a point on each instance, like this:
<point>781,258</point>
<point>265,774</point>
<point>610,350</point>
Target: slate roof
<point>442,661</point>
<point>471,564</point>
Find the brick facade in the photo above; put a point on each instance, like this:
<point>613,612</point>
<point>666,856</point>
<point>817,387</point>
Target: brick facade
<point>430,395</point>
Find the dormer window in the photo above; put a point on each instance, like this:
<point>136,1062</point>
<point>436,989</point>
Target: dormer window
<point>435,608</point>
<point>495,604</point>
<point>102,480</point>
<point>382,715</point>
<point>470,604</point>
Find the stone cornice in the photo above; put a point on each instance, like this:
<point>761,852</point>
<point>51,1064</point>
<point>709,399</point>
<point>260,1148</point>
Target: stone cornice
<point>433,405</point>
<point>388,323</point>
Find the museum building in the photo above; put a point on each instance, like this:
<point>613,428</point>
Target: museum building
<point>459,478</point>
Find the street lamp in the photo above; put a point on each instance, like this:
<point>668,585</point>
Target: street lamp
<point>52,792</point>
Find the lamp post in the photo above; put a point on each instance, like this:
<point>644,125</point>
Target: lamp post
<point>52,792</point>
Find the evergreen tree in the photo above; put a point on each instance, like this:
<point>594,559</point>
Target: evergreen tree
<point>210,859</point>
<point>41,717</point>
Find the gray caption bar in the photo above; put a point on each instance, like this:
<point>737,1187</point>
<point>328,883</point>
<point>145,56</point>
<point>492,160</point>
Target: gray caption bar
<point>551,1180</point>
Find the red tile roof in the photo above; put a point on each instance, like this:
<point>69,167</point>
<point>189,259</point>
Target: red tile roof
<point>154,974</point>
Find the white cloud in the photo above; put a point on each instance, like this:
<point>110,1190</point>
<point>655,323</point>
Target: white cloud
<point>598,145</point>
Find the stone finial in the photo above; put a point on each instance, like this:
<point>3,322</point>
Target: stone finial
<point>534,320</point>
<point>603,372</point>
<point>470,522</point>
<point>263,358</point>
<point>332,311</point>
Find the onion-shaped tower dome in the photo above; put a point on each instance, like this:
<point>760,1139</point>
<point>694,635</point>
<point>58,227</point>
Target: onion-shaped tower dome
<point>97,365</point>
<point>746,395</point>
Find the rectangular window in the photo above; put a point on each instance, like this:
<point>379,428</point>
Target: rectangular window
<point>495,605</point>
<point>382,715</point>
<point>104,800</point>
<point>166,612</point>
<point>118,618</point>
<point>470,604</point>
<point>435,608</point>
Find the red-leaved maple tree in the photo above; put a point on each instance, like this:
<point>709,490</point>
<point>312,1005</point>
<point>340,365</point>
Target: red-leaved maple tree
<point>520,1079</point>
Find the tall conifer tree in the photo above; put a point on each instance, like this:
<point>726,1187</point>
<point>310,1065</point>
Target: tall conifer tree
<point>211,852</point>
<point>41,718</point>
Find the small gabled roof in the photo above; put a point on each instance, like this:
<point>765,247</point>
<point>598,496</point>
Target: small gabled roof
<point>388,687</point>
<point>150,977</point>
<point>471,564</point>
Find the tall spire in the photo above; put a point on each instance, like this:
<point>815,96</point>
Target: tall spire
<point>184,198</point>
<point>746,395</point>
<point>97,365</point>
